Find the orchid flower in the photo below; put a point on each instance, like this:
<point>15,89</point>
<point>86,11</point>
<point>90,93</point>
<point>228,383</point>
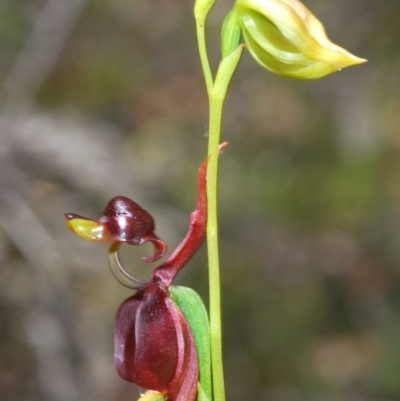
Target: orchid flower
<point>161,332</point>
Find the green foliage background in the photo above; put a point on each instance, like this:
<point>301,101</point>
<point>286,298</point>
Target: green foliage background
<point>309,198</point>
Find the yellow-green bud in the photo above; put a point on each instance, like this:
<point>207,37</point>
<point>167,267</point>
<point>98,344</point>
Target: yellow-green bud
<point>284,37</point>
<point>231,34</point>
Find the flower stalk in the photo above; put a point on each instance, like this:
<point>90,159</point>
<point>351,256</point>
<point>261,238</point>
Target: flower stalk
<point>216,104</point>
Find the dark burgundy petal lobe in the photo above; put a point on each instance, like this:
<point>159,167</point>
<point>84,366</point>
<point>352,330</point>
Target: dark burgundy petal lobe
<point>126,221</point>
<point>183,387</point>
<point>124,336</point>
<point>160,247</point>
<point>155,356</point>
<point>154,346</point>
<point>146,351</point>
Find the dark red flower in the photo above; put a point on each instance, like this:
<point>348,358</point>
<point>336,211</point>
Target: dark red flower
<point>154,345</point>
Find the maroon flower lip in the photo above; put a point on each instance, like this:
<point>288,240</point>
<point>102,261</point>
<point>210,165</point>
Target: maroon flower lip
<point>154,345</point>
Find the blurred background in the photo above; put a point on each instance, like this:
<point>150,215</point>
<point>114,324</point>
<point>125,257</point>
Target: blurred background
<point>106,97</point>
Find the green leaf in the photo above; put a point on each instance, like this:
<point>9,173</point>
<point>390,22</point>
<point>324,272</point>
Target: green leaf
<point>191,305</point>
<point>224,74</point>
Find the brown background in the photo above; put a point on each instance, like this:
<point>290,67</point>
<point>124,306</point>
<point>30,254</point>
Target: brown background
<point>106,97</point>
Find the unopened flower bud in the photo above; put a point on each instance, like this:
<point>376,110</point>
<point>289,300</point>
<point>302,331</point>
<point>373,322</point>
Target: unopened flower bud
<point>284,37</point>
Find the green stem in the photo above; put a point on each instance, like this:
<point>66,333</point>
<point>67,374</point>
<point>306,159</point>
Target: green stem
<point>216,107</point>
<point>216,93</point>
<point>216,98</point>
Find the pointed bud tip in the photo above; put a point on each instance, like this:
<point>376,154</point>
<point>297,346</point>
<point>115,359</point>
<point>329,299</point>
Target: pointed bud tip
<point>342,61</point>
<point>351,59</point>
<point>361,60</point>
<point>348,60</point>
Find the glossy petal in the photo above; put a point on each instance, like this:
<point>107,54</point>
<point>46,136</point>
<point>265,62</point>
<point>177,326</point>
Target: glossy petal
<point>154,346</point>
<point>126,221</point>
<point>146,348</point>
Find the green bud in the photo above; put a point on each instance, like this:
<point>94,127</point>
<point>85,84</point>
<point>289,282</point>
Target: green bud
<point>231,33</point>
<point>284,37</point>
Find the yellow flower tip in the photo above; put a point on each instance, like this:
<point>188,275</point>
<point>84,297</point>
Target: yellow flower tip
<point>342,55</point>
<point>337,60</point>
<point>349,62</point>
<point>357,60</point>
<point>150,395</point>
<point>88,229</point>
